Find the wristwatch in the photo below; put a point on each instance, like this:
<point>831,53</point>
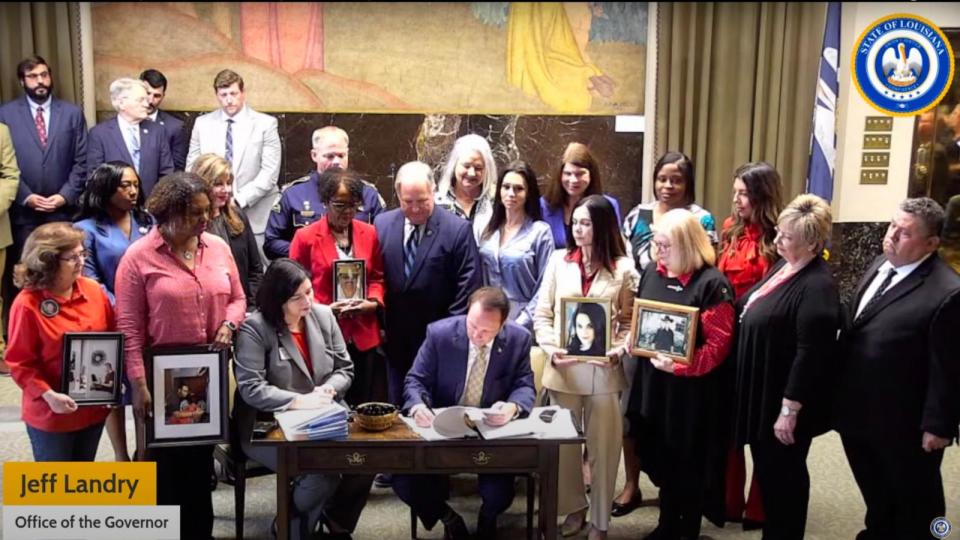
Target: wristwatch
<point>230,325</point>
<point>787,411</point>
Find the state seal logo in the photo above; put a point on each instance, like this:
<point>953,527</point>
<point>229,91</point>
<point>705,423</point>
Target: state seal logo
<point>902,65</point>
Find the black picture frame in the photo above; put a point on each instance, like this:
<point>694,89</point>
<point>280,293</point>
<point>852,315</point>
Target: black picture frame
<point>196,416</point>
<point>343,268</point>
<point>92,367</point>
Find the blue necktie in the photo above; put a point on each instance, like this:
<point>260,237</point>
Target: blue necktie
<point>410,253</point>
<point>135,148</point>
<point>228,155</point>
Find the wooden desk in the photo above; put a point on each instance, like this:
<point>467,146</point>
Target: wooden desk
<point>399,450</point>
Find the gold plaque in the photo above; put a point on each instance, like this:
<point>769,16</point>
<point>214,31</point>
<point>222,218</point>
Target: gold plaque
<point>873,176</point>
<point>879,123</point>
<point>876,142</point>
<point>875,159</point>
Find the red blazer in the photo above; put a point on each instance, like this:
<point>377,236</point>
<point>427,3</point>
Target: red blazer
<point>315,248</point>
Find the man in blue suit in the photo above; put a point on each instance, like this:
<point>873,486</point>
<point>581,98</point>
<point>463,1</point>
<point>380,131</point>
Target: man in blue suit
<point>478,360</point>
<point>431,266</point>
<point>50,140</point>
<point>172,126</point>
<point>131,137</point>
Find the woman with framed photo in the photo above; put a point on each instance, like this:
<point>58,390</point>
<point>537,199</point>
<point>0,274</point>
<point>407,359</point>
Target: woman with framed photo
<point>178,286</point>
<point>673,187</point>
<point>673,406</point>
<point>746,256</point>
<point>112,217</point>
<point>230,223</point>
<point>55,299</point>
<point>291,355</point>
<point>594,265</point>
<point>516,244</point>
<point>788,330</point>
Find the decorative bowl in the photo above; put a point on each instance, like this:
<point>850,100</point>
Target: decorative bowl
<point>376,416</point>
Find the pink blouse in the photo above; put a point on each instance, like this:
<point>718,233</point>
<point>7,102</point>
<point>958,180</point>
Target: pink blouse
<point>160,302</point>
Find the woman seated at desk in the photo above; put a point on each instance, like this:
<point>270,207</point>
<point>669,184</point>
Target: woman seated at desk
<point>290,355</point>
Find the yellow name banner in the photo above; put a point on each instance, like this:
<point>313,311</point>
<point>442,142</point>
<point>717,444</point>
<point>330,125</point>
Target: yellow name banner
<point>80,483</point>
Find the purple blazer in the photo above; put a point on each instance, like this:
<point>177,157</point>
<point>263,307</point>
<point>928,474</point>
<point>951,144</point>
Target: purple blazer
<point>554,218</point>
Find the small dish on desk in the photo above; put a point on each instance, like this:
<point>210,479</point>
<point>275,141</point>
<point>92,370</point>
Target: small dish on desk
<point>376,416</point>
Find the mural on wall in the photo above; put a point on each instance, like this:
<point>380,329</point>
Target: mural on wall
<point>584,58</point>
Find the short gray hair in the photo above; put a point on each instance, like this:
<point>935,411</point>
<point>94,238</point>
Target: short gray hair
<point>414,170</point>
<point>926,210</point>
<point>121,86</point>
<point>328,131</point>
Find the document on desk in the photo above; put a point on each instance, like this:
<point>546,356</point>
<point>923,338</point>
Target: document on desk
<point>455,423</point>
<point>329,422</point>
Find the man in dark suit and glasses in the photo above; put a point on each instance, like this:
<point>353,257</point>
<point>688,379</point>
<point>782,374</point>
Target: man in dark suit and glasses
<point>898,393</point>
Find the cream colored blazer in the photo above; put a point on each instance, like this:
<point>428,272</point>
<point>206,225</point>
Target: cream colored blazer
<point>562,279</point>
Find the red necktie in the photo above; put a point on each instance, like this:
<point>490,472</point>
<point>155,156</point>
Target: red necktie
<point>41,127</point>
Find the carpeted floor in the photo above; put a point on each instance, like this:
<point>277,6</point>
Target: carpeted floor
<point>836,509</point>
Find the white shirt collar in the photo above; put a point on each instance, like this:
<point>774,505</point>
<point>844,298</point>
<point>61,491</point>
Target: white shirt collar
<point>153,117</point>
<point>237,118</point>
<point>904,270</point>
<point>125,126</point>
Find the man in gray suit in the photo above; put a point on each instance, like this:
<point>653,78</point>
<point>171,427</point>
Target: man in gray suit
<point>249,141</point>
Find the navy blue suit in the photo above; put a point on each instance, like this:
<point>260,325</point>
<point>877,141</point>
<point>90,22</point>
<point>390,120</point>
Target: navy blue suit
<point>58,168</point>
<point>447,270</point>
<point>176,138</point>
<point>440,373</point>
<point>300,206</point>
<point>107,144</point>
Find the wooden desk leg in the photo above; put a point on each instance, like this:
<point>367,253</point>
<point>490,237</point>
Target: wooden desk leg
<point>283,492</point>
<point>548,490</point>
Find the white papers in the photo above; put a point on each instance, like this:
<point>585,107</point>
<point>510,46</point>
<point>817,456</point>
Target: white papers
<point>449,424</point>
<point>329,422</point>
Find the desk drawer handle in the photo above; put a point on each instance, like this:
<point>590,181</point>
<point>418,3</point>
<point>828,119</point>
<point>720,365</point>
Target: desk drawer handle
<point>356,458</point>
<point>482,458</point>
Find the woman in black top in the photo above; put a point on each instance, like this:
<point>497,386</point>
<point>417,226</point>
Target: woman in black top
<point>588,331</point>
<point>788,329</point>
<point>229,223</point>
<point>673,407</point>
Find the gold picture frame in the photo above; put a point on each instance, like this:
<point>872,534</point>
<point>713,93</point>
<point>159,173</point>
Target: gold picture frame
<point>664,328</point>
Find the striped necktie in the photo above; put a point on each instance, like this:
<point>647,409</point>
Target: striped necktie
<point>879,292</point>
<point>410,252</point>
<point>228,154</point>
<point>134,147</point>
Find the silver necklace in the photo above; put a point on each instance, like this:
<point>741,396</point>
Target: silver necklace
<point>188,255</point>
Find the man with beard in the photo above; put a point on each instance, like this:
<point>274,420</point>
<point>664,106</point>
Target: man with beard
<point>131,137</point>
<point>50,141</point>
<point>172,126</point>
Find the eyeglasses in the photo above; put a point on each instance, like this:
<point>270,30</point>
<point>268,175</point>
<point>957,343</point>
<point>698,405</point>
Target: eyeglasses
<point>661,246</point>
<point>35,76</point>
<point>74,259</point>
<point>344,207</point>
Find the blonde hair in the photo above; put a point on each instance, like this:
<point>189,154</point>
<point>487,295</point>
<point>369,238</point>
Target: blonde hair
<point>687,239</point>
<point>212,168</point>
<point>810,218</point>
<point>40,260</point>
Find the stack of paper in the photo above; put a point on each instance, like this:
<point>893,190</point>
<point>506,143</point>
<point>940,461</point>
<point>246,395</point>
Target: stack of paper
<point>322,424</point>
<point>462,422</point>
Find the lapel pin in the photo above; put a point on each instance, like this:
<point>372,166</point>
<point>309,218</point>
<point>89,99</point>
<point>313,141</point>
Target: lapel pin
<point>49,308</point>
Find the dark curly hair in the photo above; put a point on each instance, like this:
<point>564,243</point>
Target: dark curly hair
<point>103,183</point>
<point>172,195</point>
<point>331,180</point>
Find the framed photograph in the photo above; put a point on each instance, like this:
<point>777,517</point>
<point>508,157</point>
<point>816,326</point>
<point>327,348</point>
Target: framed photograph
<point>668,329</point>
<point>349,280</point>
<point>585,327</point>
<point>189,389</point>
<point>93,367</point>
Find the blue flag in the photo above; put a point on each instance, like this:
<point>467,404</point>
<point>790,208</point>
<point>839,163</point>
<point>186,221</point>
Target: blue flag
<point>823,140</point>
